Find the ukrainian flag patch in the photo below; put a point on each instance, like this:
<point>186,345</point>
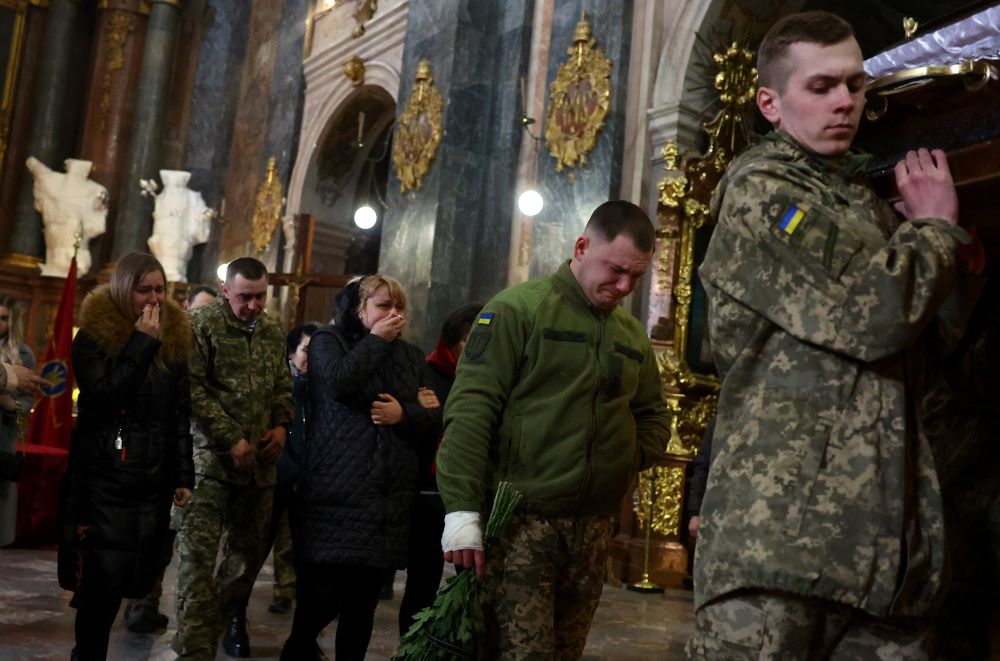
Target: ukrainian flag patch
<point>791,219</point>
<point>484,318</point>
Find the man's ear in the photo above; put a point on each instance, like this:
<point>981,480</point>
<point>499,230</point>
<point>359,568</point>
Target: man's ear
<point>581,245</point>
<point>769,103</point>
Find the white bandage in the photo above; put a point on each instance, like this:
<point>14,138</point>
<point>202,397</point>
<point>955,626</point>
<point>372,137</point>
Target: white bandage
<point>461,531</point>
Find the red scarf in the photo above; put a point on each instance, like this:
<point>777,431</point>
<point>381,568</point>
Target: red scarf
<point>443,359</point>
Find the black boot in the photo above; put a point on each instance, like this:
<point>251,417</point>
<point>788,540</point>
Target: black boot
<point>236,642</point>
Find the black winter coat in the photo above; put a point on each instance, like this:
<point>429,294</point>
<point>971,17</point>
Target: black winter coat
<point>358,480</point>
<point>116,502</point>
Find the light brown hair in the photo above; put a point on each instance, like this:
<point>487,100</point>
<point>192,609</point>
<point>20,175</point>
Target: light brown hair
<point>129,270</point>
<point>10,344</point>
<point>372,283</point>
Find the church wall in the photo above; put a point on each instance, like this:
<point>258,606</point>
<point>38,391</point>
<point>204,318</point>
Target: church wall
<point>448,242</point>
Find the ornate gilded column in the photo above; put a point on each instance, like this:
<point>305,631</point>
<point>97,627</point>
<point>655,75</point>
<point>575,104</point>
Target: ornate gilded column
<point>133,218</point>
<point>121,30</point>
<point>26,245</point>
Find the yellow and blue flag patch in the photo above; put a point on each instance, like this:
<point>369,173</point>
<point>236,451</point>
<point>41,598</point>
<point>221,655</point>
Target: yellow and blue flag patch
<point>484,318</point>
<point>791,219</point>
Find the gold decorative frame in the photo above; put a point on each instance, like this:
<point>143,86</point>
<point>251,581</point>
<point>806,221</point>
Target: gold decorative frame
<point>418,131</point>
<point>9,84</point>
<point>354,70</point>
<point>664,509</point>
<point>363,15</point>
<point>683,215</point>
<point>579,100</point>
<point>267,210</point>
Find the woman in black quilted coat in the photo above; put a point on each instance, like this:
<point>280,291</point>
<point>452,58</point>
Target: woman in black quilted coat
<point>130,455</point>
<point>359,469</point>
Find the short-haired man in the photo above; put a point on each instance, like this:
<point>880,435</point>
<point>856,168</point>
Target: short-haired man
<point>821,529</point>
<point>241,395</point>
<point>557,392</point>
<point>199,296</point>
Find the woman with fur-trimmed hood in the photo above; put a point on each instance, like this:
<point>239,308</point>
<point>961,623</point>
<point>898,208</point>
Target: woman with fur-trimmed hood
<point>130,456</point>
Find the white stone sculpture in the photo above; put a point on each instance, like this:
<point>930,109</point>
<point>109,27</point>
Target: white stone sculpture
<point>71,205</point>
<point>181,220</point>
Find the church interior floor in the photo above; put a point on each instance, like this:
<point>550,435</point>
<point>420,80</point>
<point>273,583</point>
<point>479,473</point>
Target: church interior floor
<point>36,621</point>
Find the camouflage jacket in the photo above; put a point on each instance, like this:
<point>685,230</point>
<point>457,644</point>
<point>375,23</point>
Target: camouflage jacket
<point>240,388</point>
<point>820,304</point>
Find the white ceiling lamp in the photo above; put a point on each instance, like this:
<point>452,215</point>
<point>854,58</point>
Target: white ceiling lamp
<point>365,217</point>
<point>221,271</point>
<point>530,202</point>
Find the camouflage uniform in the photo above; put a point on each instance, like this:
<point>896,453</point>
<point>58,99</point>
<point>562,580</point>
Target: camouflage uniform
<point>240,388</point>
<point>819,299</point>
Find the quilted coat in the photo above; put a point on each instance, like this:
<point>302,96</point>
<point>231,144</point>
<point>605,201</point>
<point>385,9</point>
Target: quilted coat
<point>116,501</point>
<point>358,480</point>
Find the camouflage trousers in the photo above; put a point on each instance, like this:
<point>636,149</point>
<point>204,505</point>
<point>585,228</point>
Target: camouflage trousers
<point>543,581</point>
<point>763,625</point>
<point>284,568</point>
<point>207,598</point>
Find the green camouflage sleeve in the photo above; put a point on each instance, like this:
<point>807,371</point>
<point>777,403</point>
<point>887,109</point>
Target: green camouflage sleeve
<point>206,410</point>
<point>817,276</point>
<point>486,374</point>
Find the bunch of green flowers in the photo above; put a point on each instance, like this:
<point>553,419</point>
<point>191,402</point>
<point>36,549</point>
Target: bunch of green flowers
<point>453,626</point>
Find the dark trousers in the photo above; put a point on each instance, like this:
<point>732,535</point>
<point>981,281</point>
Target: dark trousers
<point>324,592</point>
<point>425,560</point>
<point>95,613</point>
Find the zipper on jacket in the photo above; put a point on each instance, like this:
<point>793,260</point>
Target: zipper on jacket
<point>599,334</point>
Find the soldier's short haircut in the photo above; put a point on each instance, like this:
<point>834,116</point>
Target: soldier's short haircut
<point>370,284</point>
<point>248,267</point>
<point>622,217</point>
<point>202,289</point>
<point>295,335</point>
<point>458,322</point>
<point>811,27</point>
<point>128,271</point>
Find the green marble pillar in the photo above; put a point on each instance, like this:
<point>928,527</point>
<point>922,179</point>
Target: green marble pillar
<point>26,246</point>
<point>134,216</point>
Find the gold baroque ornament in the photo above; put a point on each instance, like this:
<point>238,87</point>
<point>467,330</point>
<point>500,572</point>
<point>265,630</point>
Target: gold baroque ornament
<point>666,499</point>
<point>580,97</point>
<point>267,210</point>
<point>121,23</point>
<point>354,69</point>
<point>418,131</point>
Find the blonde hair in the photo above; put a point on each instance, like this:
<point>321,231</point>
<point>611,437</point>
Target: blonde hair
<point>129,270</point>
<point>10,344</point>
<point>370,284</point>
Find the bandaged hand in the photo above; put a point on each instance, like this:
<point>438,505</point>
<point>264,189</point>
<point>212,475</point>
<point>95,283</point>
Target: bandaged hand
<point>462,541</point>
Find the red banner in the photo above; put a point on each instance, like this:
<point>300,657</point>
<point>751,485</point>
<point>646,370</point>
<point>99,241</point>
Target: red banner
<point>52,420</point>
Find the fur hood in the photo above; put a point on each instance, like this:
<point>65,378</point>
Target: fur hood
<point>102,321</point>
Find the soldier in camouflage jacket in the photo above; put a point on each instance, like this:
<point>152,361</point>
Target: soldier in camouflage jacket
<point>241,395</point>
<point>822,521</point>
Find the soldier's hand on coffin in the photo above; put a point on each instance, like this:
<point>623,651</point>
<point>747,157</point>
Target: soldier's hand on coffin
<point>925,182</point>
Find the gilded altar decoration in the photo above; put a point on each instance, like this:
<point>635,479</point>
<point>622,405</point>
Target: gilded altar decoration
<point>364,14</point>
<point>579,100</point>
<point>354,69</point>
<point>660,505</point>
<point>418,131</point>
<point>267,210</point>
<point>910,26</point>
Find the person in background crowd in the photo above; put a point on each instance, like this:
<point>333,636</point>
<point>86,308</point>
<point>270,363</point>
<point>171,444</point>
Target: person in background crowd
<point>424,564</point>
<point>822,532</point>
<point>199,296</point>
<point>241,394</point>
<point>359,466</point>
<point>699,480</point>
<point>130,454</point>
<point>14,407</point>
<point>557,392</point>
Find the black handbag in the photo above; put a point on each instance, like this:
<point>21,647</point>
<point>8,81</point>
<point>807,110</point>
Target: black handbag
<point>10,466</point>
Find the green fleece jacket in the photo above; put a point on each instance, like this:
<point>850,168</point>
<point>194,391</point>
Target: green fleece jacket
<point>555,396</point>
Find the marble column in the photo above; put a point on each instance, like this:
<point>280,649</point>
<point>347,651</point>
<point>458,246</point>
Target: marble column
<point>133,220</point>
<point>26,246</point>
<point>569,202</point>
<point>448,242</point>
<point>111,103</point>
